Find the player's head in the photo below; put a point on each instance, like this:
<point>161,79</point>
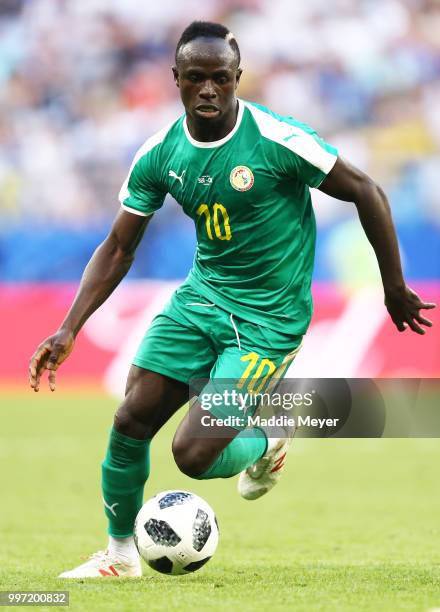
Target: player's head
<point>207,70</point>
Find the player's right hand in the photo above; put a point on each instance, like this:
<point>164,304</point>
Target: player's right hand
<point>49,355</point>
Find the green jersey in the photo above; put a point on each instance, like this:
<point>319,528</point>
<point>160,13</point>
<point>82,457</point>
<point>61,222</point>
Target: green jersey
<point>249,197</point>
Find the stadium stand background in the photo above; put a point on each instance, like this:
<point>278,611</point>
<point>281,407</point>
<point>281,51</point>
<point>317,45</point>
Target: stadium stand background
<point>83,84</point>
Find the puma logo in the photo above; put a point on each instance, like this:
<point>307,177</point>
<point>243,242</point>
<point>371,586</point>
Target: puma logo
<point>110,507</point>
<point>178,178</point>
<point>289,136</point>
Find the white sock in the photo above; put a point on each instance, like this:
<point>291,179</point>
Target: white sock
<point>123,548</point>
<point>271,443</point>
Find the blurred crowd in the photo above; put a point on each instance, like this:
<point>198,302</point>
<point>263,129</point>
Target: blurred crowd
<point>84,82</point>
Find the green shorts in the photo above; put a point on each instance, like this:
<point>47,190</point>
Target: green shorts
<point>193,339</point>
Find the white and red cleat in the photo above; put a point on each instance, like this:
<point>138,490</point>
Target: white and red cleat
<point>262,476</point>
<point>103,565</point>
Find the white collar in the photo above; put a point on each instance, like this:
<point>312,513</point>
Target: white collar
<point>216,143</point>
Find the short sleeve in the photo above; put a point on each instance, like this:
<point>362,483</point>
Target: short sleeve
<point>298,151</point>
<point>142,192</point>
<point>307,157</point>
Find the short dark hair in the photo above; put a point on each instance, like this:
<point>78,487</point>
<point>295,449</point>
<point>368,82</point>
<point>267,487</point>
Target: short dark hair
<point>208,29</point>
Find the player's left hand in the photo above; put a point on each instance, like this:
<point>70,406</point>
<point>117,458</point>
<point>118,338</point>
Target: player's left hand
<point>404,307</point>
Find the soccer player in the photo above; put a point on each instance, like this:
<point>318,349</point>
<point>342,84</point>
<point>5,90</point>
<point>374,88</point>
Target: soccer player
<point>243,174</point>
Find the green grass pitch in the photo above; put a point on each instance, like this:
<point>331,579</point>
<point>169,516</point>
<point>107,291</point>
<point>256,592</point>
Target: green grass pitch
<point>353,525</point>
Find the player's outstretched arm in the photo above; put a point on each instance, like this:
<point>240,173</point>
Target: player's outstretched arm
<point>345,182</point>
<point>107,267</point>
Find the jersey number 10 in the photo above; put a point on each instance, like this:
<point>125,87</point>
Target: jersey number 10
<point>220,233</point>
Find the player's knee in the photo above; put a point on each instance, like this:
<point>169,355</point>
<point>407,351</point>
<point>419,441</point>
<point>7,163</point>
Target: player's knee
<point>191,459</point>
<point>127,424</point>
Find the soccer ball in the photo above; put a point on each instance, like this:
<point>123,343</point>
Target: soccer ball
<point>176,532</point>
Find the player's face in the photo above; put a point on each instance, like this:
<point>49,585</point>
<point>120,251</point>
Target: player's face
<point>207,76</point>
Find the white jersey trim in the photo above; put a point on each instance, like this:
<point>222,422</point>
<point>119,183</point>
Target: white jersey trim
<point>298,141</point>
<point>216,143</point>
<point>135,211</point>
<point>149,144</point>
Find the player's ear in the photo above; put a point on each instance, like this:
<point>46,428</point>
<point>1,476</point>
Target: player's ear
<point>176,75</point>
<point>238,76</point>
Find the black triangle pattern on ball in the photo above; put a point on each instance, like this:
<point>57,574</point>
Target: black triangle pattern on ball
<point>173,499</point>
<point>161,533</point>
<point>162,565</point>
<point>201,530</point>
<point>195,565</point>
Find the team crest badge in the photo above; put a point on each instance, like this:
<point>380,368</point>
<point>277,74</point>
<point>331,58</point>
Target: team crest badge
<point>241,178</point>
